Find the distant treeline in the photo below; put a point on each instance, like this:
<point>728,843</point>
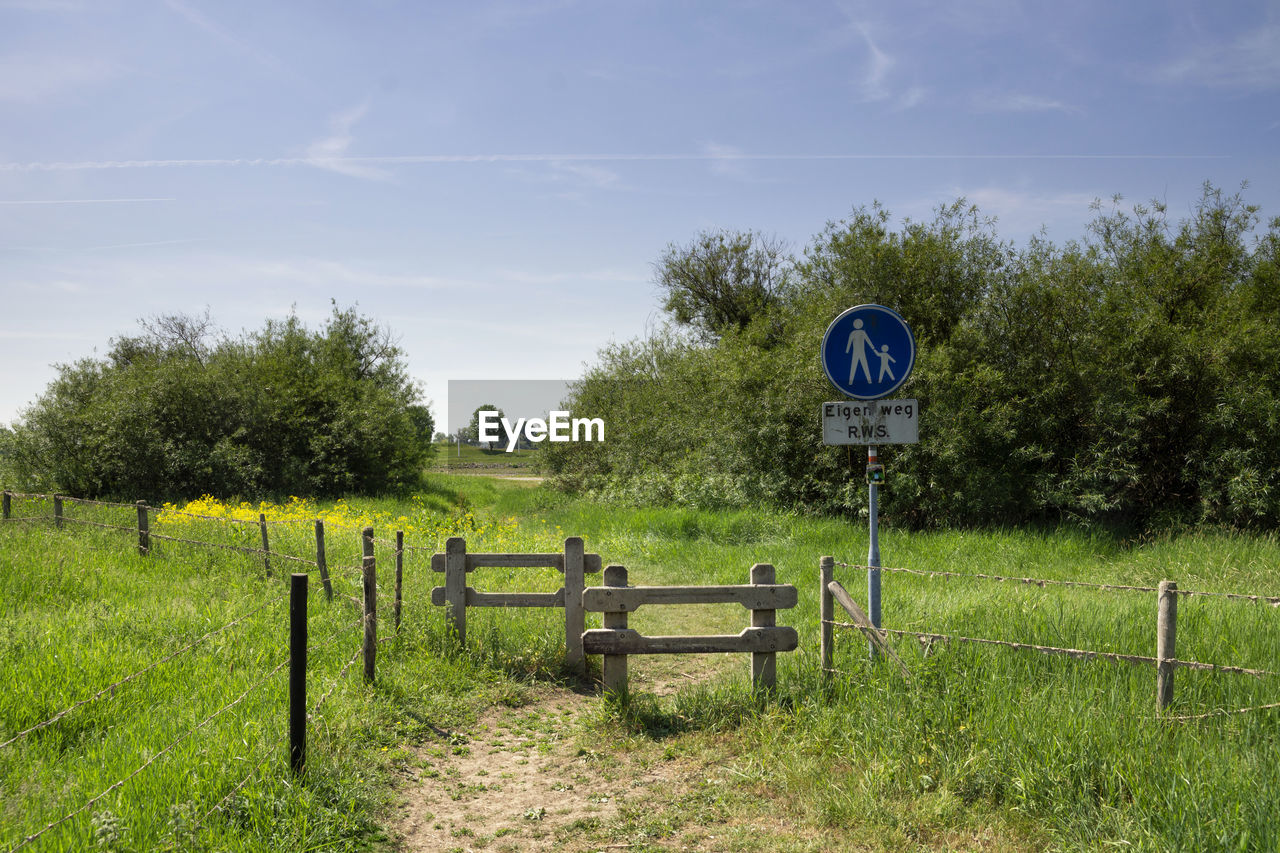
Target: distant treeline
<point>183,410</point>
<point>1131,376</point>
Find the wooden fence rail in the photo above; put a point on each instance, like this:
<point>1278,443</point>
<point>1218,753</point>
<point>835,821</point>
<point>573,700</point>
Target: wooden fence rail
<point>573,563</point>
<point>763,639</point>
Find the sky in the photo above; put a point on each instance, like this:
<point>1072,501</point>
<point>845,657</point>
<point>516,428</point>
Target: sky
<point>495,180</point>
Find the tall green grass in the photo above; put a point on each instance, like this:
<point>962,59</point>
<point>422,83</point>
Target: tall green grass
<point>1051,752</point>
<point>80,610</point>
<point>1061,753</point>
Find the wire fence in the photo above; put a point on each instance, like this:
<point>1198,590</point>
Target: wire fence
<point>1256,598</point>
<point>346,630</point>
<point>150,761</point>
<point>110,689</point>
<point>1164,661</point>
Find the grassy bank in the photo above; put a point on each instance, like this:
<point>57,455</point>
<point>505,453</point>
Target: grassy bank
<point>981,748</point>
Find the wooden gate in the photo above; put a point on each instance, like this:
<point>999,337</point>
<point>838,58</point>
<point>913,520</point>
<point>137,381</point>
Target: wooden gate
<point>763,639</point>
<point>573,563</point>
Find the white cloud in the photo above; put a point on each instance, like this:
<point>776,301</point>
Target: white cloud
<point>219,33</point>
<point>874,84</point>
<point>329,152</point>
<point>1019,102</point>
<point>1250,62</point>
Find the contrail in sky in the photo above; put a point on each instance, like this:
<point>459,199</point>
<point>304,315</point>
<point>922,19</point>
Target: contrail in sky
<point>426,159</point>
<point>81,200</point>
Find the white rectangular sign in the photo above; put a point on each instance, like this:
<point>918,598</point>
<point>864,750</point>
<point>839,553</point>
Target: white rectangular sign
<point>871,422</point>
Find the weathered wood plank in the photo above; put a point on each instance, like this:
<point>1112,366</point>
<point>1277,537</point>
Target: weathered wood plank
<point>574,616</point>
<point>515,561</point>
<point>455,586</point>
<point>764,670</point>
<point>626,641</point>
<point>591,563</point>
<point>751,596</point>
<point>841,595</point>
<point>613,665</point>
<point>475,598</point>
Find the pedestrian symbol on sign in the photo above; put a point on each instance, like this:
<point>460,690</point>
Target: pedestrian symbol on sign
<point>855,338</point>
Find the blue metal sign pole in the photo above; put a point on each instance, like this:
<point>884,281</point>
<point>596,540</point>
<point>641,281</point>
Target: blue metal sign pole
<point>867,353</point>
<point>873,551</point>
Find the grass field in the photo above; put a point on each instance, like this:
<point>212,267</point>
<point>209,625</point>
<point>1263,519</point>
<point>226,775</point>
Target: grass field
<point>495,462</point>
<point>981,748</point>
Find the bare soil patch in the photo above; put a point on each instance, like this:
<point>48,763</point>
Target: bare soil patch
<point>523,780</point>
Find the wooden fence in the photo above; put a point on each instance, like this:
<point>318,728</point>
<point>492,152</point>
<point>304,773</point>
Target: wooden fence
<point>763,639</point>
<point>573,563</point>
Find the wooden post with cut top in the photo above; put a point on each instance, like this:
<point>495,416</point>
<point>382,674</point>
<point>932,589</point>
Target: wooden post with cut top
<point>455,586</point>
<point>144,531</point>
<point>57,511</point>
<point>266,546</point>
<point>8,505</point>
<point>1166,639</point>
<point>321,563</point>
<point>399,574</point>
<point>764,668</point>
<point>574,615</point>
<point>615,666</point>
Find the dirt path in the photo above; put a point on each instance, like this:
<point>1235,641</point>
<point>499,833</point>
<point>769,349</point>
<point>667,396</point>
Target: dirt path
<point>529,778</point>
<point>522,781</point>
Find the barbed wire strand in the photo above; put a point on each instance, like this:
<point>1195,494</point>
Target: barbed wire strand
<point>112,687</point>
<point>239,548</point>
<point>130,529</point>
<point>30,518</point>
<point>328,641</point>
<point>336,681</point>
<point>1080,654</point>
<point>1218,713</point>
<point>1272,600</point>
<point>89,502</point>
<point>152,759</point>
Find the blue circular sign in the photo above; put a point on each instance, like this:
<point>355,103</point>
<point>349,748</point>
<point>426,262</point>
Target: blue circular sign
<point>868,352</point>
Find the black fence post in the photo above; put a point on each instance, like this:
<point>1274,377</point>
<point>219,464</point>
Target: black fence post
<point>298,673</point>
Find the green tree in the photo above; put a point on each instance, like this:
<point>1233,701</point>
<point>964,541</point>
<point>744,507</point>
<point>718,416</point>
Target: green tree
<point>722,280</point>
<point>283,410</point>
<point>473,430</point>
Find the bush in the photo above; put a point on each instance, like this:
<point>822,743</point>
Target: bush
<point>284,410</point>
<point>1132,377</point>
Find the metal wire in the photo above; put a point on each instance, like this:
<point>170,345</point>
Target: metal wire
<point>1272,600</point>
<point>110,688</point>
<point>27,840</point>
<point>1081,654</point>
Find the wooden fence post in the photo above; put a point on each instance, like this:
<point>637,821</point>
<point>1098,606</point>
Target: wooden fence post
<point>574,616</point>
<point>1166,637</point>
<point>57,511</point>
<point>8,506</point>
<point>764,666</point>
<point>399,574</point>
<point>321,563</point>
<point>266,546</point>
<point>615,666</point>
<point>298,672</point>
<point>826,612</point>
<point>144,530</point>
<point>455,586</point>
<point>370,605</point>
